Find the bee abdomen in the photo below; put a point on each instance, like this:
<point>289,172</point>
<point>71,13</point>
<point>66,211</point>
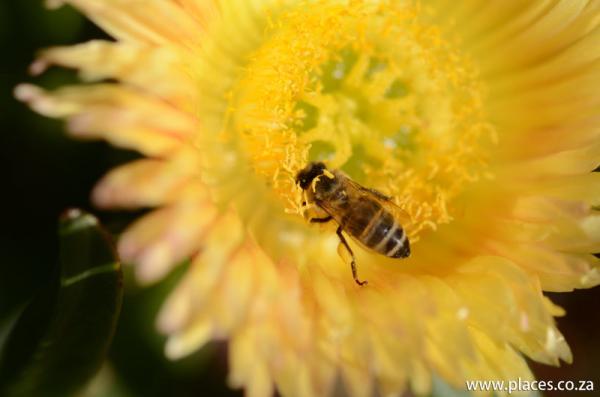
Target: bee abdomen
<point>385,236</point>
<point>398,246</point>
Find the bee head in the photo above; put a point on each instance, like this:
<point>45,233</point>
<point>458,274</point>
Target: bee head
<point>306,175</point>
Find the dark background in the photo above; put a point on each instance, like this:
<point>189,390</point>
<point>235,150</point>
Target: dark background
<point>44,172</point>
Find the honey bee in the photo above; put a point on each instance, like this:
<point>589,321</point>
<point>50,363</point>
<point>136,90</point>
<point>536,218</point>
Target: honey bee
<point>368,216</point>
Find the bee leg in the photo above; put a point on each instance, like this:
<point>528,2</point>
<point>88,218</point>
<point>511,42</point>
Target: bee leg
<point>321,220</point>
<point>353,263</point>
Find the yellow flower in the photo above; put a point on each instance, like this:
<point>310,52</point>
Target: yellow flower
<point>479,118</point>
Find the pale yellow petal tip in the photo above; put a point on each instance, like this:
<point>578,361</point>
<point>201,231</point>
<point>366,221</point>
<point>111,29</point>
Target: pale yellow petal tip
<point>27,93</point>
<point>175,349</point>
<point>553,309</point>
<point>557,347</point>
<point>126,247</point>
<point>37,99</point>
<point>54,4</point>
<point>38,67</point>
<point>185,343</point>
<point>154,263</point>
<point>591,278</point>
<point>102,195</point>
<point>175,313</point>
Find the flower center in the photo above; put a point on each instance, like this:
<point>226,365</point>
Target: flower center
<point>372,90</point>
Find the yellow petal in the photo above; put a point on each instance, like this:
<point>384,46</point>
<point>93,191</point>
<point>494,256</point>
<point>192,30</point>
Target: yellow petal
<point>164,238</point>
<point>134,64</point>
<point>122,116</point>
<point>149,183</point>
<point>157,22</point>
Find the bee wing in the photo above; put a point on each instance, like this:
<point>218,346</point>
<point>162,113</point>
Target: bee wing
<point>354,191</point>
<point>386,202</point>
<point>399,214</point>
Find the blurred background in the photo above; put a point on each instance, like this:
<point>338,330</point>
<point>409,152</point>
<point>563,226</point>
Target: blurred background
<point>44,172</point>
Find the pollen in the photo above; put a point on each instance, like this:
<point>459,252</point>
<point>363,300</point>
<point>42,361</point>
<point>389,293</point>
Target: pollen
<point>374,91</point>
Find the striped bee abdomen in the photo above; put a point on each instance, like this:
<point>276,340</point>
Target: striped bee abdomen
<point>385,235</point>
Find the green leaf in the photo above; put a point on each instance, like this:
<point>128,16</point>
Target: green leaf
<point>61,339</point>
